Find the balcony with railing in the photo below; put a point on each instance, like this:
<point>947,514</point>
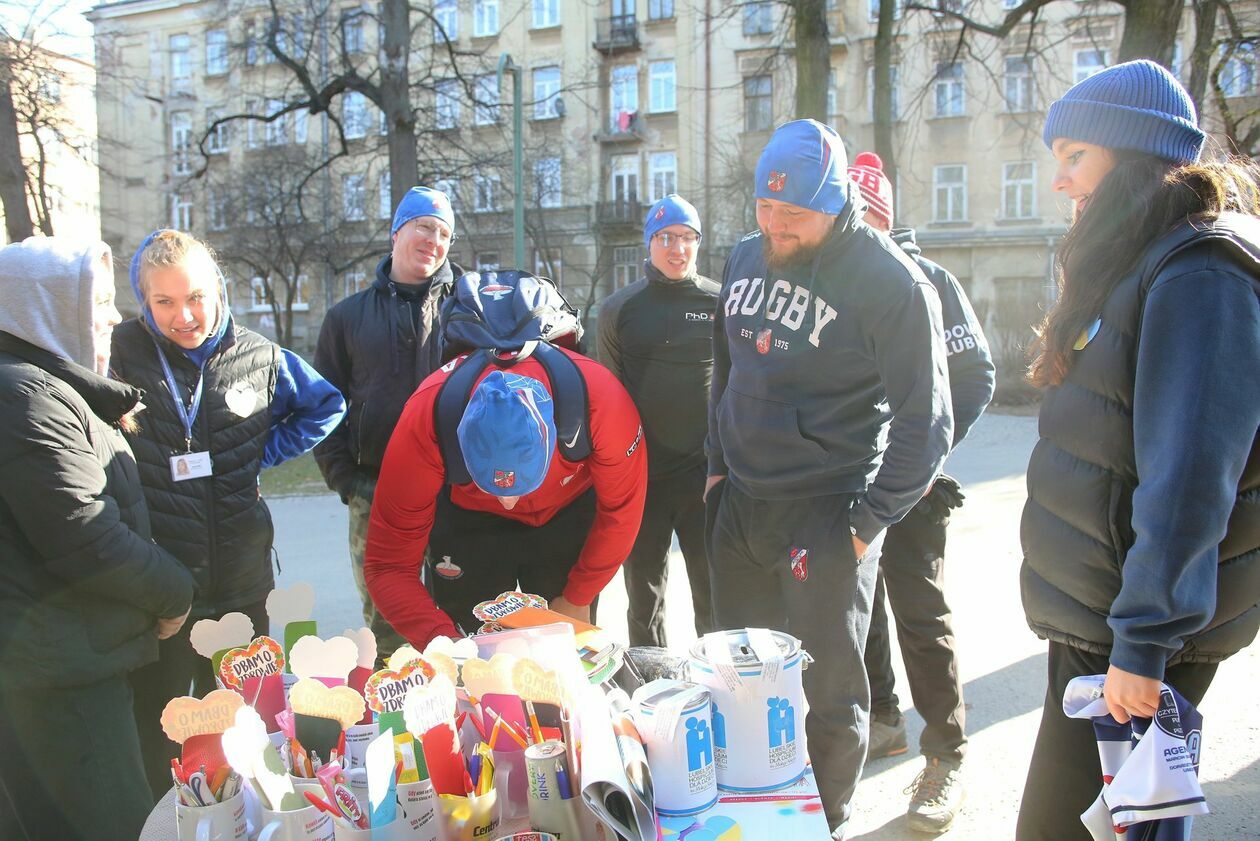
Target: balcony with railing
<point>617,34</point>
<point>626,211</point>
<point>622,127</point>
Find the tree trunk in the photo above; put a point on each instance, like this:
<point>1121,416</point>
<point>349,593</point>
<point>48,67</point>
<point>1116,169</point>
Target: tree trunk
<point>400,120</point>
<point>883,90</point>
<point>1150,29</point>
<point>1201,57</point>
<point>813,59</point>
<point>17,213</point>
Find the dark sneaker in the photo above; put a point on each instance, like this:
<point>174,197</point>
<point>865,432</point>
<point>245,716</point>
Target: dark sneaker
<point>887,739</point>
<point>936,796</point>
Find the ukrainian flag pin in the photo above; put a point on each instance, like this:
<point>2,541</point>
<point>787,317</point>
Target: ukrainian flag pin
<point>1087,335</point>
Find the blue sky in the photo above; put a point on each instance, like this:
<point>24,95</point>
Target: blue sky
<point>61,25</point>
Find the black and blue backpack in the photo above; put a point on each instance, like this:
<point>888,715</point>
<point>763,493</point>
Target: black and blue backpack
<point>499,318</point>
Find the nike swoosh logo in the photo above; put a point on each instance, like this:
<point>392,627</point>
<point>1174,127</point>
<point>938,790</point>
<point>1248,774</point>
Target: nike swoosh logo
<point>572,443</point>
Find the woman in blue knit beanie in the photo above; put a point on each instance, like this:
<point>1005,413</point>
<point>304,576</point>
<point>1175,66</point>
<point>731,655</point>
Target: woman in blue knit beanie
<point>1141,534</point>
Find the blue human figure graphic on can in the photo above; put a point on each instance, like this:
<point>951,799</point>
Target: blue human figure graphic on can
<point>781,719</point>
<point>699,744</point>
<point>719,728</point>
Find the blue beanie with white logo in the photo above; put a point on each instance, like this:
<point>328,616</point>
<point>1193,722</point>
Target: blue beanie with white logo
<point>804,164</point>
<point>508,434</point>
<point>423,201</point>
<point>1137,105</point>
<point>671,210</point>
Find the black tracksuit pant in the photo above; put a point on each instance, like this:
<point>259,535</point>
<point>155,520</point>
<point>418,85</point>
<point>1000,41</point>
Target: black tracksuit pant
<point>494,555</point>
<point>673,505</point>
<point>912,570</point>
<point>1065,774</point>
<point>824,602</point>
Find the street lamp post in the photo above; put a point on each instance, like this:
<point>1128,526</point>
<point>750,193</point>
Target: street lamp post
<point>506,65</point>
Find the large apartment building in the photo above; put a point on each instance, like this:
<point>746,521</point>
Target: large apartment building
<point>623,101</point>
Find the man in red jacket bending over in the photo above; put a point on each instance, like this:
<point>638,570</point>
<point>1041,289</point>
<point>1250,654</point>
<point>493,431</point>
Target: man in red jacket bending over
<point>529,519</point>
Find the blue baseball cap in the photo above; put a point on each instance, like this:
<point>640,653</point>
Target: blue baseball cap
<point>423,201</point>
<point>671,210</point>
<point>508,434</point>
<point>804,164</point>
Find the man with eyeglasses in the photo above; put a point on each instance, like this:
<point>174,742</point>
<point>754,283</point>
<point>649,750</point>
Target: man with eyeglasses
<point>377,346</point>
<point>656,336</point>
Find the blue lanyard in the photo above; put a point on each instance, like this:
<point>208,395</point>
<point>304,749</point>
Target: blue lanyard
<point>187,414</point>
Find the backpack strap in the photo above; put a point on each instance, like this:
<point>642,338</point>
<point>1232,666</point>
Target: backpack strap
<point>570,402</point>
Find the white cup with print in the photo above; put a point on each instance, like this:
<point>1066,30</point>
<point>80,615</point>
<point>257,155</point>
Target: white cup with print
<point>306,824</point>
<point>217,822</point>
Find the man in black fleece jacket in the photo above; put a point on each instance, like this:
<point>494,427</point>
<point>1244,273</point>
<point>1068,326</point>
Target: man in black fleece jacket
<point>656,336</point>
<point>912,566</point>
<point>827,345</point>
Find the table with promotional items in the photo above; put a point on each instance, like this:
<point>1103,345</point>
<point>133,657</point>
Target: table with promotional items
<point>537,727</point>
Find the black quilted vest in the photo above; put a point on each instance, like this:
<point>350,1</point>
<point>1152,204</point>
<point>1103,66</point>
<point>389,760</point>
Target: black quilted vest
<point>1076,527</point>
<point>218,527</point>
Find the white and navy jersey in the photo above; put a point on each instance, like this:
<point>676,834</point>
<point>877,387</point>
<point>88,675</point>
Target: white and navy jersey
<point>1150,784</point>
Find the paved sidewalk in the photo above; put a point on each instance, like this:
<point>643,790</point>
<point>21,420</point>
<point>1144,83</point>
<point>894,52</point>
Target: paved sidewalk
<point>1003,664</point>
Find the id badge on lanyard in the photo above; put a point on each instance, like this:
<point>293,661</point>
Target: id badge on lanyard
<point>188,464</point>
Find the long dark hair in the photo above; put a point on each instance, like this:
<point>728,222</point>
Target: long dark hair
<point>1136,203</point>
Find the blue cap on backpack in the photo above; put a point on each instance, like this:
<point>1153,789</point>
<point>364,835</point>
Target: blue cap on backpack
<point>423,201</point>
<point>508,434</point>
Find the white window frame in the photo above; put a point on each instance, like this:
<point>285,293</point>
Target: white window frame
<point>548,181</point>
<point>354,118</point>
<point>544,14</point>
<point>217,208</point>
<point>355,281</point>
<point>894,73</point>
<point>660,9</point>
<point>662,175</point>
<point>625,168</point>
<point>181,212</point>
<point>627,265</point>
<point>277,131</point>
<point>1019,192</point>
<point>1238,74</point>
<point>258,297</point>
<point>949,198</point>
<point>949,90</point>
<point>446,105</point>
<point>301,293</point>
<point>216,52</point>
<point>385,200</point>
<point>760,98</point>
<point>486,106</point>
<point>547,86</point>
<point>623,94</point>
<point>353,196</point>
<point>180,46</point>
<point>449,186</point>
<point>662,87</point>
<point>352,31</point>
<point>485,18</point>
<point>299,120</point>
<point>1019,81</point>
<point>1082,71</point>
<point>181,142</point>
<point>486,193</point>
<point>445,21</point>
<point>253,137</point>
<point>219,141</point>
<point>758,18</point>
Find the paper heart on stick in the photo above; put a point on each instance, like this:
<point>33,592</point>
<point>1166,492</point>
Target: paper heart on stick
<point>292,604</point>
<point>366,642</point>
<point>262,657</point>
<point>427,706</point>
<point>386,690</point>
<point>505,604</point>
<point>481,677</point>
<point>402,655</point>
<point>186,716</point>
<point>310,697</point>
<point>464,648</point>
<point>210,636</point>
<point>534,683</point>
<point>241,399</point>
<point>332,658</point>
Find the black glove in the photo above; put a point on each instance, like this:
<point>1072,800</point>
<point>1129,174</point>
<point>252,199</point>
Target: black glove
<point>948,492</point>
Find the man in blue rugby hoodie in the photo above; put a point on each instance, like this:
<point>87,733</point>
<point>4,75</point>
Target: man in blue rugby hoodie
<point>912,566</point>
<point>830,416</point>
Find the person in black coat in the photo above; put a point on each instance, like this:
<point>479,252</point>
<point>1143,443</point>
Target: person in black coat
<point>85,594</point>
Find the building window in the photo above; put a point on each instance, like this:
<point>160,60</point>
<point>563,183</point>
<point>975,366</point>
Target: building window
<point>251,44</point>
<point>354,282</point>
<point>385,201</point>
<point>758,18</point>
<point>445,21</point>
<point>301,294</point>
<point>485,18</point>
<point>547,182</point>
<point>1019,190</point>
<point>758,106</point>
<point>259,295</point>
<point>353,197</point>
<point>450,187</point>
<point>277,131</point>
<point>625,180</point>
<point>546,13</point>
<point>181,212</point>
<point>949,90</point>
<point>216,52</point>
<point>1238,72</point>
<point>872,10</point>
<point>486,109</point>
<point>217,141</point>
<point>1007,5</point>
<point>352,31</point>
<point>181,63</point>
<point>894,78</point>
<point>252,134</point>
<point>1017,81</point>
<point>487,197</point>
<point>949,193</point>
<point>660,9</point>
<point>181,141</point>
<point>1086,63</point>
<point>354,115</point>
<point>663,172</point>
<point>661,87</point>
<point>627,265</point>
<point>624,98</point>
<point>546,92</point>
<point>446,109</point>
<point>488,261</point>
<point>298,119</point>
<point>553,268</point>
<point>217,204</point>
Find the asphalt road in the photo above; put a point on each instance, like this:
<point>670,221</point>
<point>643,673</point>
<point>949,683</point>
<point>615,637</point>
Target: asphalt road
<point>1003,664</point>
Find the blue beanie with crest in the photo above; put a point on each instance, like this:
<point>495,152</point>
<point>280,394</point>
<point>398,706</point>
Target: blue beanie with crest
<point>804,164</point>
<point>423,201</point>
<point>670,210</point>
<point>1137,105</point>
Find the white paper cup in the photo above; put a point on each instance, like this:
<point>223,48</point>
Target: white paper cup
<point>307,824</point>
<point>217,822</point>
<point>417,817</point>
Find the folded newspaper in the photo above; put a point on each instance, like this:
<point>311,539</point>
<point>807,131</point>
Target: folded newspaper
<point>616,784</point>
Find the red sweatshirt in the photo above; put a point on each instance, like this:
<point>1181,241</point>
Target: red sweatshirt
<point>413,474</point>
